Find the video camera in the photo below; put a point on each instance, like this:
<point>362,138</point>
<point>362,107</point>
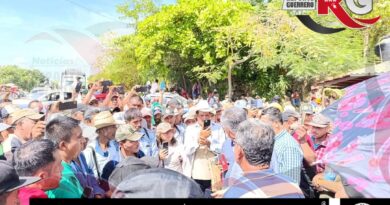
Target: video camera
<point>106,84</point>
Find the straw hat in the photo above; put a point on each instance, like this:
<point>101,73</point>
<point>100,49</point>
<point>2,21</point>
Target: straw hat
<point>28,113</point>
<point>104,119</point>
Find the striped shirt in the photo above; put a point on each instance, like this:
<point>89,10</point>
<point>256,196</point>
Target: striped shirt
<point>287,157</point>
<point>263,184</point>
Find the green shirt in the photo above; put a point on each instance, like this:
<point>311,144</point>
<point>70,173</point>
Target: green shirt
<point>1,152</point>
<point>69,185</point>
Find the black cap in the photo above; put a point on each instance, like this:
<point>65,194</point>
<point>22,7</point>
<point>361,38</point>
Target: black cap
<point>9,179</point>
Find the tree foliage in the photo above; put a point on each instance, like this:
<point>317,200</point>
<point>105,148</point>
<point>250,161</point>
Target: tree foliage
<point>24,78</point>
<point>257,45</point>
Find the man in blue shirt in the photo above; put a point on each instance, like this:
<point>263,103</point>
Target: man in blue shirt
<point>148,144</point>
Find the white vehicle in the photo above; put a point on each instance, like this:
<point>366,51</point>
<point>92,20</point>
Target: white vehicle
<point>169,96</point>
<point>69,79</point>
<point>40,89</point>
<point>45,97</point>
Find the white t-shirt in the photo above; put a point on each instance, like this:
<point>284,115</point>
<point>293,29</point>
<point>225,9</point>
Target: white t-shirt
<point>154,88</point>
<point>7,143</point>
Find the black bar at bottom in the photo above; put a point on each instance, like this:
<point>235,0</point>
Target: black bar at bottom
<point>180,201</point>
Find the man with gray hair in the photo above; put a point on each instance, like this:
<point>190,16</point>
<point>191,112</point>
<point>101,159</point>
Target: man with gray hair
<point>230,120</point>
<point>253,150</point>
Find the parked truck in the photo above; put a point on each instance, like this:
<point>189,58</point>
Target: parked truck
<point>69,79</point>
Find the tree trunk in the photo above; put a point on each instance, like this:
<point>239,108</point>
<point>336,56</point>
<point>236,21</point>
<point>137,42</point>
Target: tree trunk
<point>230,92</point>
<point>231,66</point>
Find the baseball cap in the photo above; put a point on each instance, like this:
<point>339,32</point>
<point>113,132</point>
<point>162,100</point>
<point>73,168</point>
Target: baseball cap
<point>3,127</point>
<point>125,132</point>
<point>277,106</point>
<point>177,112</point>
<point>157,111</point>
<point>28,113</point>
<point>307,109</point>
<point>289,113</point>
<point>146,112</point>
<point>90,112</point>
<point>8,110</point>
<point>173,102</point>
<point>189,116</point>
<point>320,120</point>
<point>9,179</point>
<point>168,112</point>
<point>163,128</point>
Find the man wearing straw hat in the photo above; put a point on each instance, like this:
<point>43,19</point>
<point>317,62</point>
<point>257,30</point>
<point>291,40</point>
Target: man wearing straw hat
<point>25,122</point>
<point>200,143</point>
<point>102,153</point>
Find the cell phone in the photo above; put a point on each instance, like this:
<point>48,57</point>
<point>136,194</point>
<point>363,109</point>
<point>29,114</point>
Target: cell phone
<point>120,90</point>
<point>207,193</point>
<point>141,89</point>
<point>67,105</point>
<point>206,124</point>
<point>165,145</point>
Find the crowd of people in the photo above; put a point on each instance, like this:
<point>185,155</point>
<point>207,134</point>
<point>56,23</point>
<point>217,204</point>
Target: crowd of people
<point>131,146</point>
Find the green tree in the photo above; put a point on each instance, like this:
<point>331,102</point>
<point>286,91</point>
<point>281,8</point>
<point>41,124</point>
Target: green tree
<point>24,78</point>
<point>137,9</point>
<point>242,45</point>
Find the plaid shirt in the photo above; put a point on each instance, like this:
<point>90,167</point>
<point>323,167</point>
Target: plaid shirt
<point>287,156</point>
<point>319,149</point>
<point>263,184</point>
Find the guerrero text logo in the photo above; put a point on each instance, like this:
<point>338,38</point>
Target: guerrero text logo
<point>324,7</point>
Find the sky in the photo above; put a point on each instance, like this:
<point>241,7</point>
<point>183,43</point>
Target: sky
<point>54,35</point>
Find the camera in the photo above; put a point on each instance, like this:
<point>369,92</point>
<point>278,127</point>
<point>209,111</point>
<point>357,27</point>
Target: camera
<point>120,90</point>
<point>142,89</point>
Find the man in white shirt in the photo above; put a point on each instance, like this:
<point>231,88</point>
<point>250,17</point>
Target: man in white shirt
<point>200,144</point>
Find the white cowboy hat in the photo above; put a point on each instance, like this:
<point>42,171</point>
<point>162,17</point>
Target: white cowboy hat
<point>203,106</point>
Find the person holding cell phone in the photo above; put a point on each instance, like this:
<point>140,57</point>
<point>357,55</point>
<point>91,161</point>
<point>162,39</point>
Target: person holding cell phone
<point>171,151</point>
<point>202,141</point>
